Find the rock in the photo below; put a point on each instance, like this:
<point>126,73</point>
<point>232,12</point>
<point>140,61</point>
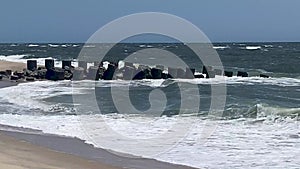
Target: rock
<point>31,65</point>
<point>1,77</point>
<point>143,72</point>
<point>101,71</point>
<point>161,67</point>
<point>97,64</point>
<point>164,76</point>
<point>66,63</point>
<point>219,72</point>
<point>208,71</point>
<point>172,72</point>
<point>3,73</point>
<point>228,73</point>
<point>49,63</point>
<point>139,75</point>
<point>156,73</point>
<point>180,73</point>
<point>78,73</point>
<point>189,73</point>
<point>41,67</point>
<point>41,74</point>
<point>30,79</point>
<point>211,74</point>
<point>8,72</point>
<point>14,77</point>
<point>205,69</point>
<point>128,64</point>
<point>109,73</point>
<point>21,75</point>
<point>199,76</point>
<point>242,74</point>
<point>93,73</point>
<point>82,64</point>
<point>68,75</point>
<point>55,74</point>
<point>128,73</point>
<point>264,76</point>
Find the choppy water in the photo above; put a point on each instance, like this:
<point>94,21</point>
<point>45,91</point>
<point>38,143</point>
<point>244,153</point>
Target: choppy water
<point>258,129</point>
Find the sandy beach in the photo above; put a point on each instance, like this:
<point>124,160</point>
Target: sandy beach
<point>17,154</point>
<point>5,65</point>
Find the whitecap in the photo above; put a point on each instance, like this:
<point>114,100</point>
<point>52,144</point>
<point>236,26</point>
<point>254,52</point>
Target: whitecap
<point>53,46</point>
<point>33,45</point>
<point>221,47</point>
<point>253,47</point>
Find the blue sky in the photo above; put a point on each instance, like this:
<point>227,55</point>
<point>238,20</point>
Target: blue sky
<point>220,20</point>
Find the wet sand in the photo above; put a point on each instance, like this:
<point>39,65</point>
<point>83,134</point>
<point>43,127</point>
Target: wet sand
<point>15,154</point>
<point>78,148</point>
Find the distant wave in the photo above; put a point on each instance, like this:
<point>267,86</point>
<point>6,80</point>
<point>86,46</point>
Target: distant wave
<point>253,47</point>
<point>33,45</point>
<point>221,47</point>
<point>53,46</point>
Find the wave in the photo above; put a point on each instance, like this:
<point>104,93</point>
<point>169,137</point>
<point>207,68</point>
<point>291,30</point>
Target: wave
<point>53,46</point>
<point>221,47</point>
<point>33,45</point>
<point>136,129</point>
<point>253,47</point>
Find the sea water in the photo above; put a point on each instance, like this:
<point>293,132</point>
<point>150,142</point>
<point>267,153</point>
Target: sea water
<point>259,127</point>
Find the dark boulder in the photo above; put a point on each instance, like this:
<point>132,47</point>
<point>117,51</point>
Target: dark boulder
<point>49,63</point>
<point>199,76</point>
<point>242,74</point>
<point>264,76</point>
<point>82,64</point>
<point>14,77</point>
<point>78,73</point>
<point>228,73</point>
<point>180,73</point>
<point>55,74</point>
<point>30,79</point>
<point>219,72</point>
<point>67,63</point>
<point>189,73</point>
<point>8,72</point>
<point>161,67</point>
<point>31,65</point>
<point>128,73</point>
<point>93,73</point>
<point>172,72</point>
<point>109,72</point>
<point>156,73</point>
<point>208,71</point>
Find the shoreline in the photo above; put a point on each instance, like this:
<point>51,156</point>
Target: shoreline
<point>74,147</point>
<point>39,145</point>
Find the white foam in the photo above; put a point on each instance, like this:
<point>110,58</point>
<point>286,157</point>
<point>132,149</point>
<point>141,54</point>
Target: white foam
<point>53,46</point>
<point>261,145</point>
<point>33,45</point>
<point>268,46</point>
<point>221,47</point>
<point>253,47</point>
<point>283,81</point>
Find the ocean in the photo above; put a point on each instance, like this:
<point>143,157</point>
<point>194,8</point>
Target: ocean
<point>259,127</point>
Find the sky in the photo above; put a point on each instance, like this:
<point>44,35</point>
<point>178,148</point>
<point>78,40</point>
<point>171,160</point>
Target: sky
<point>28,21</point>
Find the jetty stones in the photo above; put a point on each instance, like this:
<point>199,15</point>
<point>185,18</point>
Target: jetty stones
<point>55,74</point>
<point>31,65</point>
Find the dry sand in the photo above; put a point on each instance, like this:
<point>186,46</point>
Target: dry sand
<point>15,66</point>
<point>15,154</point>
